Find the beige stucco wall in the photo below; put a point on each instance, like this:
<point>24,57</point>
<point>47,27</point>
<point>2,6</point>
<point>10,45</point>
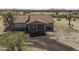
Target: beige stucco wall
<point>1,24</point>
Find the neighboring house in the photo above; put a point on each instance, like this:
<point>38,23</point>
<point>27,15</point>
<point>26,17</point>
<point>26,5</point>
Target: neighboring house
<point>2,28</point>
<point>34,23</point>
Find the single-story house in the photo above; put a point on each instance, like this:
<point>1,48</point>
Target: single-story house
<point>34,23</point>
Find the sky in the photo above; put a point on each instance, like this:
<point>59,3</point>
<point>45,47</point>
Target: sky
<point>39,4</point>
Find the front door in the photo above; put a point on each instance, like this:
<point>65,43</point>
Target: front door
<point>41,27</point>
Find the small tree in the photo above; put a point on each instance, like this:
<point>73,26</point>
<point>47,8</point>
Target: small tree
<point>9,20</point>
<point>69,18</point>
<point>69,22</point>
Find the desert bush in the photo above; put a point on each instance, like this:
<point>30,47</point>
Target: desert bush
<point>8,20</point>
<point>13,40</point>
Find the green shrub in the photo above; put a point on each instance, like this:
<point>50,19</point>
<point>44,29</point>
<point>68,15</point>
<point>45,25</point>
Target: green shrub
<point>13,40</point>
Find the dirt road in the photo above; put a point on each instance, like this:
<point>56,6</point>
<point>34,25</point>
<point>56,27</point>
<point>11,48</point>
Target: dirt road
<point>44,42</point>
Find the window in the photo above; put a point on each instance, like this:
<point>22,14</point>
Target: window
<point>40,26</point>
<point>33,27</point>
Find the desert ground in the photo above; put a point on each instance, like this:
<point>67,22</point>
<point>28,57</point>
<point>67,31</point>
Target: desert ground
<point>62,39</point>
<point>55,41</point>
